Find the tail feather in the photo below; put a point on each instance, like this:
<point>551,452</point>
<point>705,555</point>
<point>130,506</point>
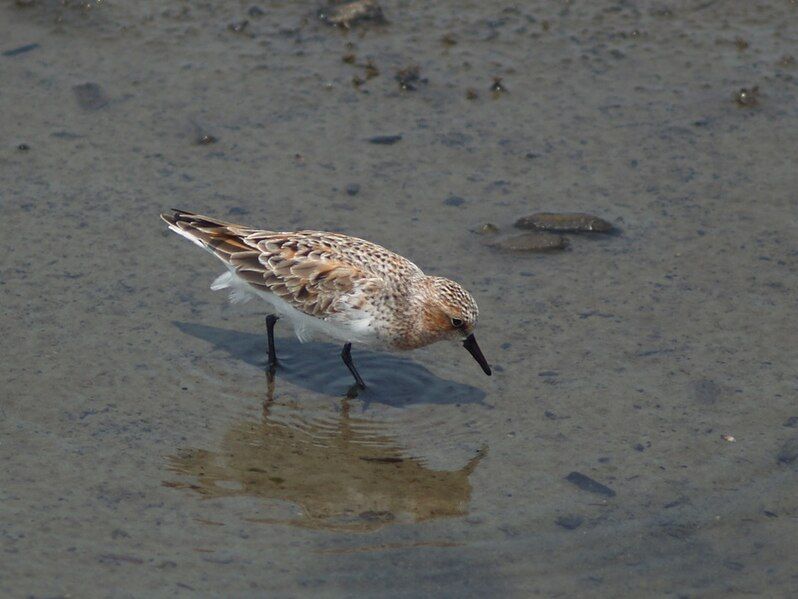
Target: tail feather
<point>221,238</point>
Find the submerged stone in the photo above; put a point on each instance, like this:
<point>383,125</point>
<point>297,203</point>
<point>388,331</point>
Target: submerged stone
<point>572,222</point>
<point>532,242</point>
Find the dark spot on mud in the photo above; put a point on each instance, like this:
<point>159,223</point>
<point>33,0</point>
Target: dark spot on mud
<point>471,94</point>
<point>448,39</point>
<point>256,11</point>
<point>747,98</point>
<point>569,522</point>
<point>349,58</point>
<point>574,222</point>
<point>352,189</point>
<point>23,147</point>
<point>788,60</point>
<point>90,96</point>
<point>791,422</point>
<point>385,140</point>
<point>20,50</point>
<point>497,87</point>
<point>454,201</point>
<point>409,78</point>
<point>371,70</point>
<point>588,484</point>
<point>532,242</point>
<point>788,453</point>
<point>206,139</point>
<point>238,26</point>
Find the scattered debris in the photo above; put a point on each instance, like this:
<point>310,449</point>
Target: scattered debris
<point>20,50</point>
<point>497,87</point>
<point>569,522</point>
<point>574,222</point>
<point>238,27</point>
<point>588,484</point>
<point>385,140</point>
<point>532,242</point>
<point>90,96</point>
<point>350,13</point>
<point>409,77</point>
<point>747,97</point>
<point>728,438</point>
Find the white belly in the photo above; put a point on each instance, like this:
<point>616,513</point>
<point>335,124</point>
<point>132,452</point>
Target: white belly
<point>353,326</point>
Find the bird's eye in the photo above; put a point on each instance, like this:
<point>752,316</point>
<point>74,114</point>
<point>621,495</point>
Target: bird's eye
<point>457,323</point>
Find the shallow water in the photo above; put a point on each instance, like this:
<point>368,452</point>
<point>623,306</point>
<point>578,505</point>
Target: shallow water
<point>145,452</point>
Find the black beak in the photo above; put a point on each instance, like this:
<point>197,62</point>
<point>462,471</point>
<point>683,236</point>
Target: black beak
<point>470,344</point>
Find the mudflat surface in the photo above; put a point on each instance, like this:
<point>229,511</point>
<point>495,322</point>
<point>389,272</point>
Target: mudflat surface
<point>144,453</point>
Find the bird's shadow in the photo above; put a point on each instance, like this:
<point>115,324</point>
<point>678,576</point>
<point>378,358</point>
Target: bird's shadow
<point>390,379</point>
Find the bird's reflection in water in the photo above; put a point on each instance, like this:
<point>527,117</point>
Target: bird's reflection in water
<point>346,475</point>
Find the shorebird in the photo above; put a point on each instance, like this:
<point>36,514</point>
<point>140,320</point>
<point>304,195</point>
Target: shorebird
<point>341,286</point>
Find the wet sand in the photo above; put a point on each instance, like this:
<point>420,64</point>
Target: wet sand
<point>143,451</point>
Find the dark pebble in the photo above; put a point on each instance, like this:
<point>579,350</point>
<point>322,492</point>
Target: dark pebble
<point>497,87</point>
<point>90,96</point>
<point>791,422</point>
<point>256,11</point>
<point>238,27</point>
<point>588,484</point>
<point>788,454</point>
<point>385,140</point>
<point>747,98</point>
<point>23,147</point>
<point>353,189</point>
<point>20,50</point>
<point>206,139</point>
<point>532,242</point>
<point>454,201</point>
<point>570,522</point>
<point>573,222</point>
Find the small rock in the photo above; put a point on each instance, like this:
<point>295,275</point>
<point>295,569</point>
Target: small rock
<point>206,139</point>
<point>574,222</point>
<point>532,242</point>
<point>385,140</point>
<point>23,147</point>
<point>569,522</point>
<point>497,87</point>
<point>741,43</point>
<point>728,438</point>
<point>238,27</point>
<point>454,201</point>
<point>448,39</point>
<point>353,189</point>
<point>788,454</point>
<point>486,229</point>
<point>588,484</point>
<point>471,94</point>
<point>747,98</point>
<point>371,70</point>
<point>90,96</point>
<point>791,422</point>
<point>349,58</point>
<point>256,11</point>
<point>350,13</point>
<point>409,77</point>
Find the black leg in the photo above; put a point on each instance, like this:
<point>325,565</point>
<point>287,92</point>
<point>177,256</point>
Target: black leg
<point>347,357</point>
<point>270,320</point>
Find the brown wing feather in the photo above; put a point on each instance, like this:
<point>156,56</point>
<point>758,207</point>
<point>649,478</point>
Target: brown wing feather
<point>307,269</point>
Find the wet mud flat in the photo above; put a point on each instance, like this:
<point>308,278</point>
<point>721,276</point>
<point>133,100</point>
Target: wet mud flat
<point>638,436</point>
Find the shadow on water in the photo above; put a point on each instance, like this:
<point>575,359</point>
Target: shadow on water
<point>392,380</point>
<point>347,475</point>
